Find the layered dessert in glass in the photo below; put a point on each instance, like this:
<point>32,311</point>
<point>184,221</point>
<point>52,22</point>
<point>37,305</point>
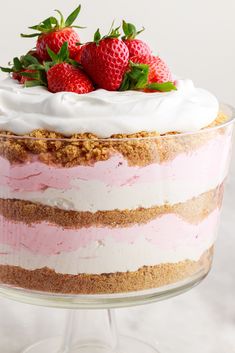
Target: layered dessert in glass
<point>109,191</point>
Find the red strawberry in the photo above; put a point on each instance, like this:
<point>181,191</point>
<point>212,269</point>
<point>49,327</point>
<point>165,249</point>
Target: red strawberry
<point>79,54</point>
<point>52,34</point>
<point>106,60</point>
<point>158,70</point>
<point>25,70</point>
<point>55,40</point>
<point>135,46</point>
<point>35,55</point>
<point>148,73</point>
<point>16,76</point>
<point>21,78</point>
<point>65,77</point>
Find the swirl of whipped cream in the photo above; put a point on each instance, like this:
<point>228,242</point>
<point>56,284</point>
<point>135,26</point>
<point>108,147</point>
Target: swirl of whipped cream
<point>105,113</point>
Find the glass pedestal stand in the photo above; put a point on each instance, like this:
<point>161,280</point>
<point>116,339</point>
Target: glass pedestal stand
<point>91,325</point>
<point>91,332</point>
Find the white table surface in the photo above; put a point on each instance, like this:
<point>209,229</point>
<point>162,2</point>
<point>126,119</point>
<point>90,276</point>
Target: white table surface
<point>200,321</point>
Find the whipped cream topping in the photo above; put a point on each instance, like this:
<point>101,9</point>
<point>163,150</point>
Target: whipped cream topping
<point>105,113</point>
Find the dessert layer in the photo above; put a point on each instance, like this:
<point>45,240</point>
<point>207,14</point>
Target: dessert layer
<point>105,113</point>
<point>105,250</point>
<point>145,278</point>
<point>35,175</point>
<point>138,149</point>
<point>113,185</point>
<point>192,211</point>
<point>94,197</point>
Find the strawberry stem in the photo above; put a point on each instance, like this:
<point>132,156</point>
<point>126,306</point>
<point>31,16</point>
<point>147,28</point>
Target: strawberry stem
<point>51,24</point>
<point>62,23</point>
<point>113,33</point>
<point>61,57</point>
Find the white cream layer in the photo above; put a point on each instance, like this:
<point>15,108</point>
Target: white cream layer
<point>95,196</point>
<point>105,113</point>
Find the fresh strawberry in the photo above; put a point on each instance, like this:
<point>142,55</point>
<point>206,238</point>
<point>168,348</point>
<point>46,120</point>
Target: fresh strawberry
<point>158,70</point>
<point>106,59</point>
<point>27,70</point>
<point>35,55</point>
<point>22,78</point>
<point>135,46</point>
<point>16,76</point>
<point>55,40</point>
<point>79,54</point>
<point>63,76</point>
<point>148,73</point>
<point>53,33</point>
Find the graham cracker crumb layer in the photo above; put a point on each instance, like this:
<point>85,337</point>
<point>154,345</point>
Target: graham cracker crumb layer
<point>147,277</point>
<point>137,149</point>
<point>192,211</point>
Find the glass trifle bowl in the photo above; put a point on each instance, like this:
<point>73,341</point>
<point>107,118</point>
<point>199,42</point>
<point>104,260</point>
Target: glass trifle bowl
<point>90,222</point>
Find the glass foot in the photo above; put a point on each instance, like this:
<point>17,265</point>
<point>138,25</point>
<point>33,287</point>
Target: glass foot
<point>126,345</point>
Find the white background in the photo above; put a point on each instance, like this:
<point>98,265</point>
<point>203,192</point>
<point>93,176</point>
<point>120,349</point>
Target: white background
<point>197,38</point>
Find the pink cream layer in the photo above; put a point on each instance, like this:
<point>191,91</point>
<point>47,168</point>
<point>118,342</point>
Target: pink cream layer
<point>201,163</point>
<point>167,232</point>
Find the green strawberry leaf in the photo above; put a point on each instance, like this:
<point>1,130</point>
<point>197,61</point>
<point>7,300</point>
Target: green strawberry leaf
<point>34,75</point>
<point>51,24</point>
<point>22,63</point>
<point>136,78</point>
<point>113,33</point>
<point>80,27</point>
<point>130,30</point>
<point>17,64</point>
<point>162,87</point>
<point>36,67</point>
<point>53,56</point>
<point>97,36</point>
<point>38,76</point>
<point>48,65</point>
<point>75,63</point>
<point>33,83</point>
<point>62,23</point>
<point>30,35</point>
<point>72,17</point>
<point>35,27</point>
<point>6,69</point>
<point>63,54</point>
<point>28,60</point>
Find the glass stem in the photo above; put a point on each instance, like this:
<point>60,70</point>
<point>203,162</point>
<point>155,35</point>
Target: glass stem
<point>93,328</point>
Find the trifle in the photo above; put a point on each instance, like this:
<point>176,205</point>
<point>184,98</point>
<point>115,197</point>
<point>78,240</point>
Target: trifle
<point>112,170</point>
